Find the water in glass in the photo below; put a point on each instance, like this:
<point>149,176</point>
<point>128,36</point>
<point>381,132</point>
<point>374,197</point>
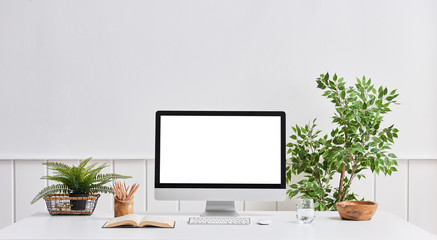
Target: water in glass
<point>305,215</point>
<point>305,210</point>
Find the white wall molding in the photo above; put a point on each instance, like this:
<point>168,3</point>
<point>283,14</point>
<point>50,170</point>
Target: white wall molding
<point>14,195</point>
<point>393,193</point>
<point>152,158</point>
<point>73,159</point>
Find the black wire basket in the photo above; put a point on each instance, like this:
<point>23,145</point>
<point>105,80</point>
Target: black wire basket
<point>62,204</point>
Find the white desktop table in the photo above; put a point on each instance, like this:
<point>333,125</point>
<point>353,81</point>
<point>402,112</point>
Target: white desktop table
<point>327,225</point>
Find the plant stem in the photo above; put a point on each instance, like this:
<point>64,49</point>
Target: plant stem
<point>342,105</point>
<point>340,185</point>
<point>346,189</point>
<point>356,158</point>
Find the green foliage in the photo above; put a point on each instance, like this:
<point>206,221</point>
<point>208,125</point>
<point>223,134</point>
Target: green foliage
<point>357,143</point>
<point>77,179</point>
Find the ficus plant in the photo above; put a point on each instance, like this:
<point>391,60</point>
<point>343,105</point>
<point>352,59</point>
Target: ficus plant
<point>358,142</point>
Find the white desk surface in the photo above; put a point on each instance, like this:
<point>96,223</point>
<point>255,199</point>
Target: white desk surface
<point>327,225</point>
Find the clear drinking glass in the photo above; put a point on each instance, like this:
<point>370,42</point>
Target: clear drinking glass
<point>305,210</point>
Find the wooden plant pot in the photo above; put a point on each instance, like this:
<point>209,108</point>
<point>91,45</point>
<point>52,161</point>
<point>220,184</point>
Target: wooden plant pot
<point>356,210</point>
<point>122,208</point>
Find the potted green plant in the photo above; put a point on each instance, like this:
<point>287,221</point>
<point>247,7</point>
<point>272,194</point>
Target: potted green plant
<point>77,181</point>
<point>358,142</point>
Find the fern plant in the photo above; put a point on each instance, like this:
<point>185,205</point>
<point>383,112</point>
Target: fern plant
<point>81,179</point>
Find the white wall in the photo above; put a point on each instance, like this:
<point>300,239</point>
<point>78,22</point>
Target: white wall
<point>84,78</point>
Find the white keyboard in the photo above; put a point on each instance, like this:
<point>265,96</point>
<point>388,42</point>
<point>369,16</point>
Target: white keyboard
<point>219,220</point>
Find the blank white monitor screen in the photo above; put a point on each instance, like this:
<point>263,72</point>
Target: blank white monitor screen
<point>220,149</point>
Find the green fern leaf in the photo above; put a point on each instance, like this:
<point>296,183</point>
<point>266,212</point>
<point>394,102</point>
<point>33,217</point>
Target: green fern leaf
<point>84,163</point>
<point>57,188</point>
<point>91,174</point>
<point>100,189</point>
<point>91,166</point>
<point>58,167</point>
<point>110,176</point>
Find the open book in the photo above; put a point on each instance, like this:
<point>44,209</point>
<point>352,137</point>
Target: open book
<point>133,220</point>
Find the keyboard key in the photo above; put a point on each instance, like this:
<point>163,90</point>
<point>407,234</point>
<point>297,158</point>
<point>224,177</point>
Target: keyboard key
<point>219,220</point>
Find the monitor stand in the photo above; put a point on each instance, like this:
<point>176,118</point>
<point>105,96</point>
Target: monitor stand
<point>220,208</point>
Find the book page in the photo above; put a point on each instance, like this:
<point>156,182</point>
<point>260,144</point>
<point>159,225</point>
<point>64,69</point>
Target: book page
<point>130,217</point>
<point>157,219</point>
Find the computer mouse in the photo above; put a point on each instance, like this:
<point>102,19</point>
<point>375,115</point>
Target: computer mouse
<point>264,221</point>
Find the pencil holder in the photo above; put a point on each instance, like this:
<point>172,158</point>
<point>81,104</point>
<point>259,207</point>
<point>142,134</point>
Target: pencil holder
<point>122,208</point>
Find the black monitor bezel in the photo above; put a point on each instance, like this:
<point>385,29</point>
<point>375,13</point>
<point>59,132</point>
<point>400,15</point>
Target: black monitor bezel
<point>160,113</point>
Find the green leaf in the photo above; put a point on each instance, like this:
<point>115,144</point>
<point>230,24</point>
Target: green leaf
<point>56,188</point>
<point>380,95</point>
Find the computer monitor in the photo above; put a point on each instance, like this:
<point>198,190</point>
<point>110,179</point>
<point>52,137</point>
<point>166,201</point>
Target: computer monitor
<point>220,157</point>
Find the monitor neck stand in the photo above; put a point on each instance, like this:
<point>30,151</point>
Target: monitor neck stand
<point>220,208</point>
